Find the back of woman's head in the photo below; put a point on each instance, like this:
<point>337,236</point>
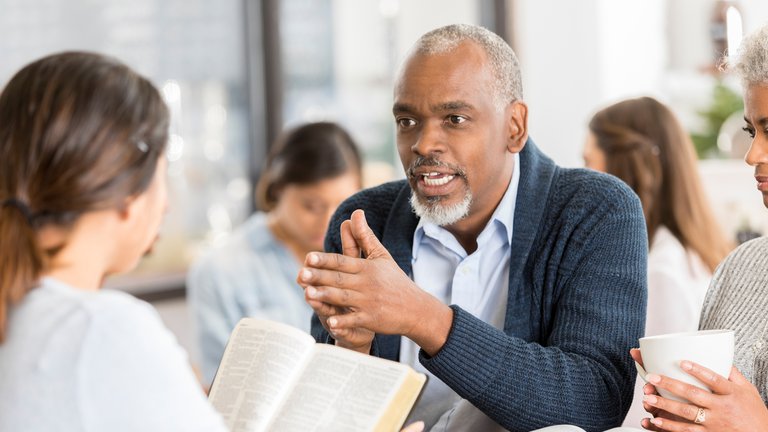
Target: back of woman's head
<point>646,147</point>
<point>79,132</point>
<point>305,155</point>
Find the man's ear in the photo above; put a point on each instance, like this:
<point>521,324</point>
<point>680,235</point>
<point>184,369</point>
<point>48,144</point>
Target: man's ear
<point>517,122</point>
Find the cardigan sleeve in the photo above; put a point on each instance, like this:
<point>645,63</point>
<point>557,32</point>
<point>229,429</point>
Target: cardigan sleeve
<point>579,371</point>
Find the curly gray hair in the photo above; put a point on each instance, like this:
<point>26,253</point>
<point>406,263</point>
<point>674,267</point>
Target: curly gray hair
<point>507,86</point>
<point>752,62</point>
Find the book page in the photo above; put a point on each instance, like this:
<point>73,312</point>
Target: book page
<point>341,390</point>
<point>260,362</point>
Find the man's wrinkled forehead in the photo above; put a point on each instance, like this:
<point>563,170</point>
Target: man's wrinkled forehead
<point>462,49</point>
<point>448,86</point>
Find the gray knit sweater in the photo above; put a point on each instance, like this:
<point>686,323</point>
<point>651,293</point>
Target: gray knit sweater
<point>738,300</point>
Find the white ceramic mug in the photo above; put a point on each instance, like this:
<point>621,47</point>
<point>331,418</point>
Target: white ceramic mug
<point>662,355</point>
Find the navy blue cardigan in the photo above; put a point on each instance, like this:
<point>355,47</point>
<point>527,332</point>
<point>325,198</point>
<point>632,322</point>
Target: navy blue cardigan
<point>576,304</point>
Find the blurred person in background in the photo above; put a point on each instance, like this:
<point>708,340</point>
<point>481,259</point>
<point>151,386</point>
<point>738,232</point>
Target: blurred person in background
<point>310,171</point>
<point>737,299</point>
<point>641,142</point>
<point>82,196</point>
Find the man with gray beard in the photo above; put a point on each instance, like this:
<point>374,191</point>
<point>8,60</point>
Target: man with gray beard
<point>517,285</point>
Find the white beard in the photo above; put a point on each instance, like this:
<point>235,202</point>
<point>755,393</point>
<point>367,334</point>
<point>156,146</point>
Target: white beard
<point>440,214</point>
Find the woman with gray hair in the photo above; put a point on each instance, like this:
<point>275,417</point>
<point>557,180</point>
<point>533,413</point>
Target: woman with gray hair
<point>737,299</point>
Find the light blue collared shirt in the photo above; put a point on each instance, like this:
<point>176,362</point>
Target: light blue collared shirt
<point>478,283</point>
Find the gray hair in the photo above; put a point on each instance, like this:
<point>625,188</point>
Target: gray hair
<point>752,62</point>
<point>507,85</point>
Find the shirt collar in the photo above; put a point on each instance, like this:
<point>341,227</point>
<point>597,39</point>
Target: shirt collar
<point>503,216</point>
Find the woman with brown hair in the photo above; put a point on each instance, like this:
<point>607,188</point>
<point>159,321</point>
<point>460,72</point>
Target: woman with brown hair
<point>641,142</point>
<point>311,169</point>
<point>82,196</point>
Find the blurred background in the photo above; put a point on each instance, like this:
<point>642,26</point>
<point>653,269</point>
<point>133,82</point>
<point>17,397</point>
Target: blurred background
<point>236,72</point>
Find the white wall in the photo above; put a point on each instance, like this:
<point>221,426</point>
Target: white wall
<point>578,56</point>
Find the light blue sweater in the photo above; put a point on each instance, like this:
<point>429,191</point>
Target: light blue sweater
<point>251,274</point>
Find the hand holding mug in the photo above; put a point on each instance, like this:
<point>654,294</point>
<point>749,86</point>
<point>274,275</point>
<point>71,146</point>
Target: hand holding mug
<point>685,395</point>
<point>731,404</point>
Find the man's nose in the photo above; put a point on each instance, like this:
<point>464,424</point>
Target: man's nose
<point>431,140</point>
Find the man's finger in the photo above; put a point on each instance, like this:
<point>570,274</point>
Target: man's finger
<point>370,245</point>
<point>349,246</point>
<point>332,261</point>
<point>348,321</point>
<point>333,296</point>
<point>323,310</point>
<point>318,277</point>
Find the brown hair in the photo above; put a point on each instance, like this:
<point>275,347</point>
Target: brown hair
<point>646,147</point>
<point>80,132</point>
<point>306,155</point>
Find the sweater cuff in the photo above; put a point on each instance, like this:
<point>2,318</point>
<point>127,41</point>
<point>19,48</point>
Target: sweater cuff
<point>456,363</point>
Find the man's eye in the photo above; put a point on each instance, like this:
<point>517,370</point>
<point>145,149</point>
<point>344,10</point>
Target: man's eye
<point>406,122</point>
<point>456,119</point>
<point>749,130</point>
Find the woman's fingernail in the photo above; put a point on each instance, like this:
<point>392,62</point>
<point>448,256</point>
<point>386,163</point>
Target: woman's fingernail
<point>686,365</point>
<point>332,322</point>
<point>312,291</point>
<point>650,399</point>
<point>656,421</point>
<point>306,274</point>
<point>313,259</point>
<point>653,379</point>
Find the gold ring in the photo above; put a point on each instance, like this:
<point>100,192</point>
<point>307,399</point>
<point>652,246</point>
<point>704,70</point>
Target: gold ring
<point>701,416</point>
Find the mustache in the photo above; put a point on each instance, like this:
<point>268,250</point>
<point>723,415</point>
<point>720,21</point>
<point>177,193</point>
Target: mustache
<point>429,161</point>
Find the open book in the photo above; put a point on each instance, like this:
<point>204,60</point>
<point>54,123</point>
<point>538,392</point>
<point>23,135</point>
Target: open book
<point>274,377</point>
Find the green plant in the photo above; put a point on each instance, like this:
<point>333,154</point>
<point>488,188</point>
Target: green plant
<point>724,102</point>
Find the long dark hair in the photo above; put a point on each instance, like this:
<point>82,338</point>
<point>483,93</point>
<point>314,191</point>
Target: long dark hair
<point>306,155</point>
<point>78,132</point>
<point>646,146</point>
